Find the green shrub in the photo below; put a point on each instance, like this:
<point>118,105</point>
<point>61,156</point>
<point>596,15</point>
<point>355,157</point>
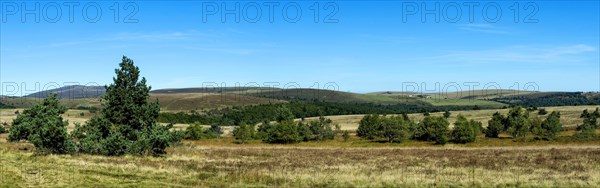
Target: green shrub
<point>261,131</point>
<point>285,132</point>
<point>115,144</point>
<point>587,130</point>
<point>391,128</point>
<point>369,127</point>
<point>394,128</point>
<point>432,129</point>
<point>155,140</point>
<point>321,129</point>
<point>495,126</point>
<point>43,126</point>
<point>447,114</point>
<point>177,135</point>
<point>3,127</point>
<point>90,143</point>
<point>306,134</point>
<point>547,129</point>
<point>465,131</point>
<point>244,132</point>
<point>542,111</point>
<point>284,114</point>
<point>518,123</point>
<point>590,120</point>
<point>194,132</point>
<point>215,131</point>
<point>552,125</point>
<point>346,135</point>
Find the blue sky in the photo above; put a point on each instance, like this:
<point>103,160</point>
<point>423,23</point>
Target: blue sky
<point>364,46</point>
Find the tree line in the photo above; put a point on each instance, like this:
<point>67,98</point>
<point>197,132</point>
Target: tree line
<point>552,99</point>
<point>517,123</point>
<point>285,130</point>
<point>396,128</point>
<point>268,112</point>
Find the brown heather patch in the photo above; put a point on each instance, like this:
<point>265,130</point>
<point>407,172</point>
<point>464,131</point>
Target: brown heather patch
<point>188,165</point>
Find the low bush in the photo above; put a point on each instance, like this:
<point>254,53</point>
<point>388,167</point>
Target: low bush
<point>432,129</point>
<point>465,131</point>
<point>244,132</point>
<point>43,126</point>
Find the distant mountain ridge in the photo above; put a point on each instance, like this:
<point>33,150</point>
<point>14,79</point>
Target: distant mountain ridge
<point>212,90</point>
<point>185,99</point>
<point>81,91</point>
<point>72,92</point>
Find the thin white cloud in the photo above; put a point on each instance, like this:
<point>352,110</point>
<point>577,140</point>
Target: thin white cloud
<point>164,36</point>
<point>63,44</point>
<point>519,54</point>
<point>390,39</point>
<point>134,37</point>
<point>483,28</point>
<point>235,51</point>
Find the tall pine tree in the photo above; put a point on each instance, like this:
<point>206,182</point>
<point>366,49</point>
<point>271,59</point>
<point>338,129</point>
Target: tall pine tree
<point>128,122</point>
<point>126,101</point>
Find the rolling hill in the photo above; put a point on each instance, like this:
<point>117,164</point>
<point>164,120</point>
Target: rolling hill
<point>187,99</point>
<point>72,92</point>
<point>235,90</point>
<point>200,101</point>
<point>304,94</point>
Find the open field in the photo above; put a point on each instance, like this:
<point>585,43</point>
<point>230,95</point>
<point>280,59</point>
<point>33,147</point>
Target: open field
<point>481,94</point>
<point>464,102</point>
<point>569,117</point>
<point>220,163</point>
<point>224,162</point>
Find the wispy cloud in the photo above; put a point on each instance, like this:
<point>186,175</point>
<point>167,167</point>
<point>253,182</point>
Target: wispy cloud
<point>157,36</point>
<point>220,42</point>
<point>234,51</point>
<point>133,37</point>
<point>483,28</point>
<point>390,39</point>
<point>519,54</point>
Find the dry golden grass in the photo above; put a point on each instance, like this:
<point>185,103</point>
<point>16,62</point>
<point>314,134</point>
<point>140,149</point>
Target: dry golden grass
<point>211,164</point>
<point>73,116</point>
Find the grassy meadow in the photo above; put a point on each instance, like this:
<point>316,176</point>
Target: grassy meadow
<point>223,162</point>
